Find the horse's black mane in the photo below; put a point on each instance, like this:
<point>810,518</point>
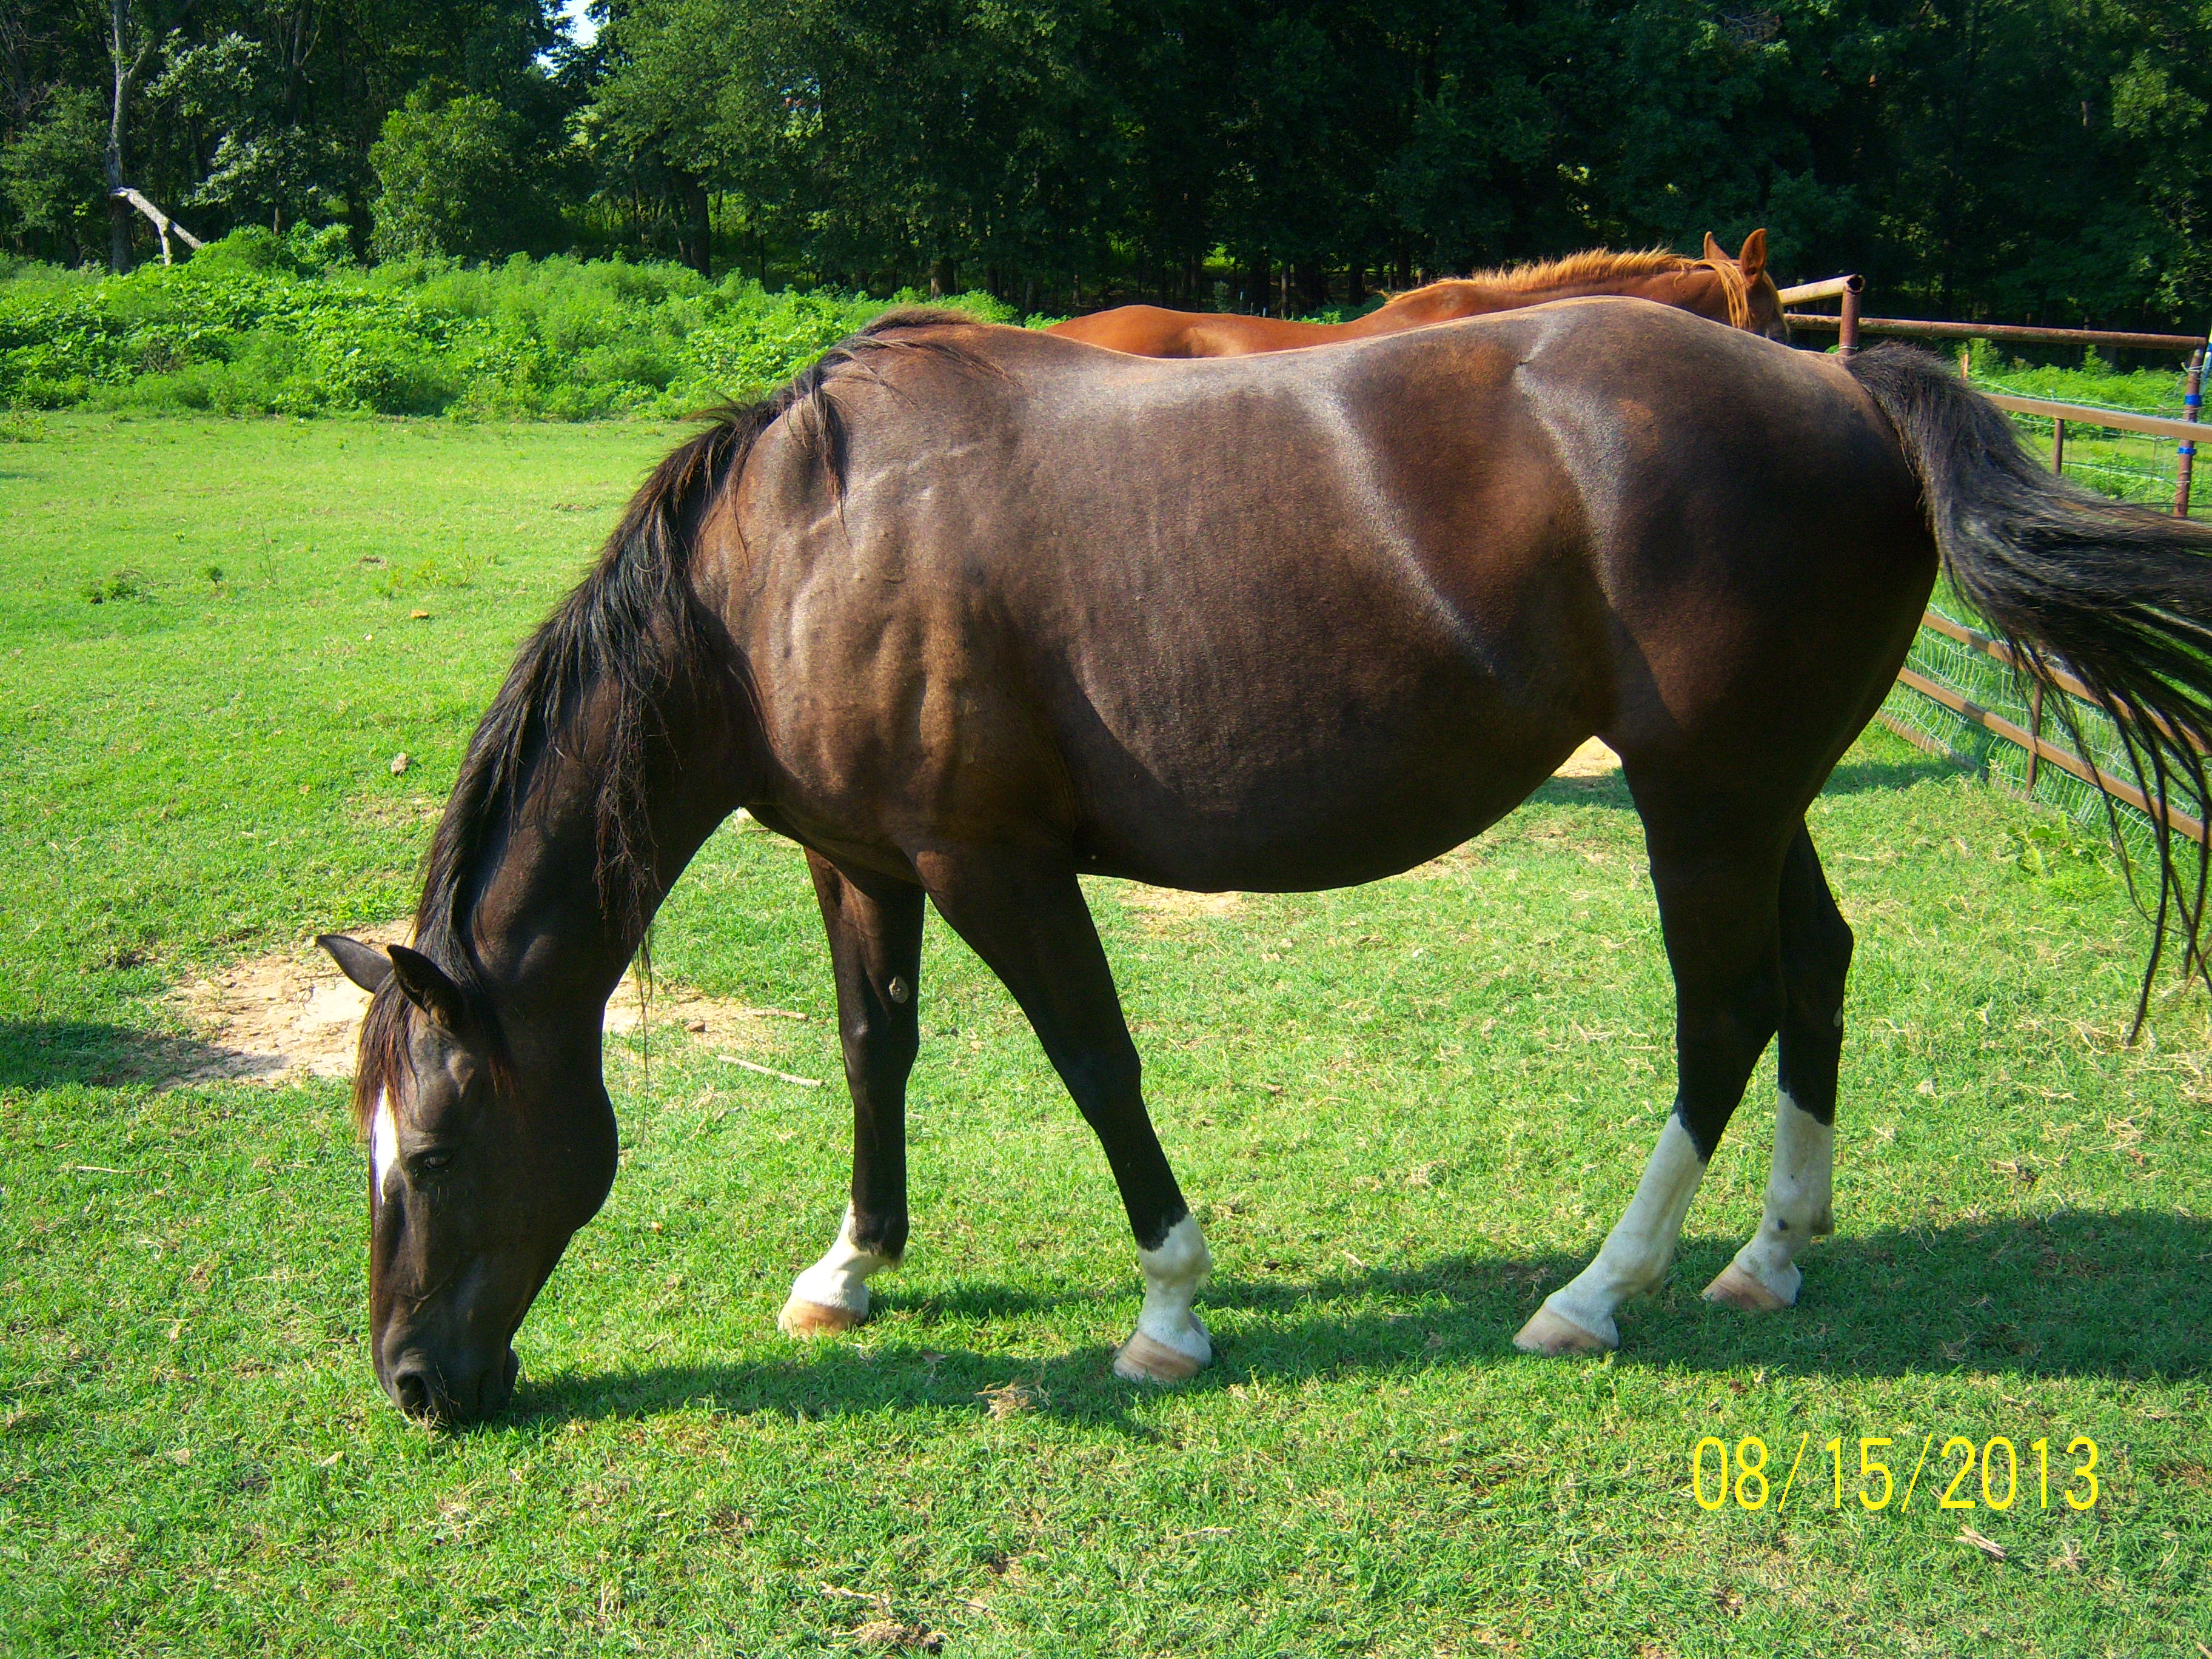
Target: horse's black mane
<point>622,639</point>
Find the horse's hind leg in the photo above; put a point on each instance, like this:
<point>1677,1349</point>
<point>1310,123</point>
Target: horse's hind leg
<point>875,951</point>
<point>1716,874</point>
<point>1816,959</point>
<point>1023,913</point>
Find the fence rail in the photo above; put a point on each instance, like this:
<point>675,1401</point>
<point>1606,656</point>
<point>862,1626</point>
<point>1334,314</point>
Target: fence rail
<point>2017,333</point>
<point>1834,289</point>
<point>2158,426</point>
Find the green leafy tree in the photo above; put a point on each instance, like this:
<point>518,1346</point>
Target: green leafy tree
<point>269,162</point>
<point>462,178</point>
<point>53,173</point>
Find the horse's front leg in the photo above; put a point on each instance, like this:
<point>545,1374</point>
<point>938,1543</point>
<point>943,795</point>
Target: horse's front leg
<point>875,948</point>
<point>1023,913</point>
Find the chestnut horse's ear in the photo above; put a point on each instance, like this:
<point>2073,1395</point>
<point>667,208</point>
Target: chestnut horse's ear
<point>1754,256</point>
<point>1714,254</point>
<point>425,985</point>
<point>364,964</point>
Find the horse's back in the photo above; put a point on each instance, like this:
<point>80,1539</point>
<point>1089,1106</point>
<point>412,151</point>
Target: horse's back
<point>1300,619</point>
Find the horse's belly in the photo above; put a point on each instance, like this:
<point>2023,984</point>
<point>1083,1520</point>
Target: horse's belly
<point>1303,820</point>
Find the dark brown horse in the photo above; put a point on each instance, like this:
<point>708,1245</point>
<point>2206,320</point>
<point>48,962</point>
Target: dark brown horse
<point>969,611</point>
<point>1737,292</point>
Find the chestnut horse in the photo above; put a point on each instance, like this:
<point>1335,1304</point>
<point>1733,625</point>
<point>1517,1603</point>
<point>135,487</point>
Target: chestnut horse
<point>1737,292</point>
<point>969,612</point>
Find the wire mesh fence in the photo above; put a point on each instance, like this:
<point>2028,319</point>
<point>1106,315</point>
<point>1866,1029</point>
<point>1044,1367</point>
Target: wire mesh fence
<point>2065,722</point>
<point>2128,466</point>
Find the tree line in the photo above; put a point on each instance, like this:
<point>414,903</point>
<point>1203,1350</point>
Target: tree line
<point>2035,160</point>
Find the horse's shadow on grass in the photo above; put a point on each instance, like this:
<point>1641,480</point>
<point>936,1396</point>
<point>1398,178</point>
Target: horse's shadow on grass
<point>2091,1294</point>
<point>1610,789</point>
<point>52,1054</point>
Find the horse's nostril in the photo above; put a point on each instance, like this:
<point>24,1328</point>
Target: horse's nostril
<point>412,1393</point>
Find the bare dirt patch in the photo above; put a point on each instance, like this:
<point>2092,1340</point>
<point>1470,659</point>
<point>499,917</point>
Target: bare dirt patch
<point>1162,908</point>
<point>288,1014</point>
<point>291,1014</point>
<point>1592,760</point>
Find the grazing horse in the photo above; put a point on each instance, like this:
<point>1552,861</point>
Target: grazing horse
<point>968,612</point>
<point>1737,292</point>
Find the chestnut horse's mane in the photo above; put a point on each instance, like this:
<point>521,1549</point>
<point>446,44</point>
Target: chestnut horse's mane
<point>1599,264</point>
<point>624,638</point>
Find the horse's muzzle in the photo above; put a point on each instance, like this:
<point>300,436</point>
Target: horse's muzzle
<point>451,1392</point>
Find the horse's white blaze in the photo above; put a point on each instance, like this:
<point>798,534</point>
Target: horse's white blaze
<point>1636,1252</point>
<point>383,1140</point>
<point>840,1278</point>
<point>1173,1274</point>
<point>1799,1199</point>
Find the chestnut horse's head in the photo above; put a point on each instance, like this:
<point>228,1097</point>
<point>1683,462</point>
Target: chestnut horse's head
<point>1747,272</point>
<point>480,1170</point>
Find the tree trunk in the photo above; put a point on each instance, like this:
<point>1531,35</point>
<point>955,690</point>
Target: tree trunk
<point>119,211</point>
<point>694,242</point>
<point>1259,284</point>
<point>1355,286</point>
<point>128,66</point>
<point>944,278</point>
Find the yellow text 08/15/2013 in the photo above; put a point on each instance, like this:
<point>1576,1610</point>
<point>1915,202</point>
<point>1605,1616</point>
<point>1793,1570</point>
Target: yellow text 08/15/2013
<point>1720,1475</point>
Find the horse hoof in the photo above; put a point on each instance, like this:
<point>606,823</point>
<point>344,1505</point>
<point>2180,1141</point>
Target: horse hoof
<point>1143,1360</point>
<point>800,1317</point>
<point>1738,1289</point>
<point>1546,1333</point>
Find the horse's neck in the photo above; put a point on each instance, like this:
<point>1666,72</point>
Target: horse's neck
<point>1444,301</point>
<point>549,923</point>
<point>1694,289</point>
<point>1440,303</point>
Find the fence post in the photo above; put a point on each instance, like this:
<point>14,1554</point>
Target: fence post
<point>2191,405</point>
<point>2058,447</point>
<point>1847,333</point>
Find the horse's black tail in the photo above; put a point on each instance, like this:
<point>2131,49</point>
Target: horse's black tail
<point>2119,595</point>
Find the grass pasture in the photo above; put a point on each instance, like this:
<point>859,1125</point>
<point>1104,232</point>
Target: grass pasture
<point>1405,1113</point>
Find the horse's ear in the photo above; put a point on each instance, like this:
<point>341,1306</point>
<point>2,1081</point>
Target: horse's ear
<point>364,964</point>
<point>1714,251</point>
<point>1754,256</point>
<point>425,984</point>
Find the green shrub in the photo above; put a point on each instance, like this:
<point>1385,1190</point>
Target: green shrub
<point>259,324</point>
<point>118,585</point>
<point>2155,390</point>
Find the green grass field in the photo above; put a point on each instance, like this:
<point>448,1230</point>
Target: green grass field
<point>1405,1113</point>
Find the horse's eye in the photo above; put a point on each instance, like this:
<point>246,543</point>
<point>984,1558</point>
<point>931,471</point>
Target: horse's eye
<point>434,1162</point>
